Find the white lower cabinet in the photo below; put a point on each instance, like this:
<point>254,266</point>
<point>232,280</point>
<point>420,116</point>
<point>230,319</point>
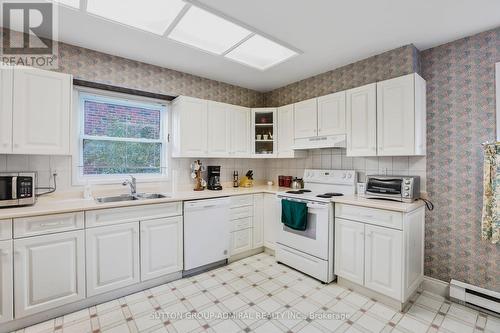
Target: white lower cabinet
<point>49,271</point>
<point>161,247</point>
<point>258,220</point>
<point>271,220</point>
<point>6,283</point>
<point>383,260</point>
<point>241,241</point>
<point>387,258</point>
<point>112,257</point>
<point>349,250</point>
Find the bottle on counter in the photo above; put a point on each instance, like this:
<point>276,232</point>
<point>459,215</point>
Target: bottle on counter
<point>236,182</point>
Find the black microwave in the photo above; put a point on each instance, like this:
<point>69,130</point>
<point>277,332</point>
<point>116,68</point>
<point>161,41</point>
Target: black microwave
<point>17,189</point>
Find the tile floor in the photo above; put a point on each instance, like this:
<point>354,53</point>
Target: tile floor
<point>252,289</point>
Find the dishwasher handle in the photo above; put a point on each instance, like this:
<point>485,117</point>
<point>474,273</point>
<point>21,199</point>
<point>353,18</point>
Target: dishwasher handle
<point>206,204</point>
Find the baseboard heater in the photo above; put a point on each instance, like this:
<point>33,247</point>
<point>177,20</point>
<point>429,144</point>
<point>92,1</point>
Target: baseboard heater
<point>469,294</point>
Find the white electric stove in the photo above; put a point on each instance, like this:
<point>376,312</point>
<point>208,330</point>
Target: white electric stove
<point>311,251</point>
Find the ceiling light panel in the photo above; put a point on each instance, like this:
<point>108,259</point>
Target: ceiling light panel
<point>150,15</point>
<point>260,52</point>
<point>207,31</point>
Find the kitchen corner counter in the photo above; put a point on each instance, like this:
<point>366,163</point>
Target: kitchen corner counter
<point>377,203</point>
<point>58,204</point>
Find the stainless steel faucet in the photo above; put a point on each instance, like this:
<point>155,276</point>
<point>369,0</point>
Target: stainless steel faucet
<point>132,182</point>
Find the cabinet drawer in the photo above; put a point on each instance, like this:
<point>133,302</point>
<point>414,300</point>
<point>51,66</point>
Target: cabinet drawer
<point>241,200</point>
<point>241,212</point>
<point>241,224</point>
<point>95,218</point>
<point>5,229</point>
<point>385,218</point>
<point>241,241</point>
<point>47,224</point>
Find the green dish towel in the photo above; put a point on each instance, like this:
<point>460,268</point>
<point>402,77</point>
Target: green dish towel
<point>294,214</point>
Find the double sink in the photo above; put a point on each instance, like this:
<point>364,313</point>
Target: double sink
<point>129,197</point>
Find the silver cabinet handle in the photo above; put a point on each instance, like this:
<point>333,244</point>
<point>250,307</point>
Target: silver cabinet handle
<point>51,224</point>
<point>14,187</point>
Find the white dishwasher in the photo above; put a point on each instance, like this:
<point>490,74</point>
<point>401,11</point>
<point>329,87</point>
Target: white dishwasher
<point>206,232</point>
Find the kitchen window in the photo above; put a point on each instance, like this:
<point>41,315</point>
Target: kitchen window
<point>118,136</point>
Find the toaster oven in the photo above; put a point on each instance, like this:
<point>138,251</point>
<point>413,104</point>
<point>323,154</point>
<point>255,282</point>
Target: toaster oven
<point>17,189</point>
<point>397,188</point>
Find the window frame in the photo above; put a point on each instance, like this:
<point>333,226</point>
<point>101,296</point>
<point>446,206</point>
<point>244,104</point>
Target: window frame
<point>81,94</point>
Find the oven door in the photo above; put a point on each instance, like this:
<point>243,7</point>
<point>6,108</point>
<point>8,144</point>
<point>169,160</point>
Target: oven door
<point>384,187</point>
<point>313,240</point>
<point>8,190</point>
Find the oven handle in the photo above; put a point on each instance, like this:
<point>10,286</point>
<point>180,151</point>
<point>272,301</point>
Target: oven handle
<point>317,206</point>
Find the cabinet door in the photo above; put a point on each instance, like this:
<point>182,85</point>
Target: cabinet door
<point>272,221</point>
<point>6,109</point>
<point>241,241</point>
<point>383,260</point>
<point>161,247</point>
<point>396,116</point>
<point>112,257</point>
<point>285,131</point>
<point>349,250</point>
<point>240,131</point>
<point>331,114</point>
<point>6,283</point>
<point>258,220</point>
<point>361,121</point>
<point>42,109</point>
<point>190,127</point>
<point>218,129</point>
<point>306,118</point>
<point>49,271</point>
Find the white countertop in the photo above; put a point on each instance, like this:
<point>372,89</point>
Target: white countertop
<point>378,203</point>
<point>57,204</point>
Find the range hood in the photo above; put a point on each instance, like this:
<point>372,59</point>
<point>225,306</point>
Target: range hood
<point>316,142</point>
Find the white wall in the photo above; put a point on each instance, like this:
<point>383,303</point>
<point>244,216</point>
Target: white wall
<point>336,159</point>
<point>263,169</point>
<point>46,165</point>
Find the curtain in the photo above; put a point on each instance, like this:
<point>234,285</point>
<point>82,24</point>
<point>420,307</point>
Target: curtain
<point>491,197</point>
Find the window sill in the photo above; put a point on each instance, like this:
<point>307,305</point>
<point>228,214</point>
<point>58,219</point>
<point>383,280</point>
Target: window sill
<point>117,179</point>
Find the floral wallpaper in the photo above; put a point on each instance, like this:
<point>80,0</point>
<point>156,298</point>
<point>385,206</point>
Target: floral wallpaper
<point>460,116</point>
<point>393,63</point>
<point>90,65</point>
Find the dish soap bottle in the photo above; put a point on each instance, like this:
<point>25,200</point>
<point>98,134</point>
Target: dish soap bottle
<point>236,182</point>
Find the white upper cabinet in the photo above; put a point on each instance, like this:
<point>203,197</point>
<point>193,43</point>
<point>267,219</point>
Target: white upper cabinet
<point>285,131</point>
<point>41,112</point>
<point>204,128</point>
<point>361,114</point>
<point>239,131</point>
<point>161,247</point>
<point>6,77</point>
<point>401,109</point>
<point>190,117</point>
<point>49,271</point>
<point>6,282</point>
<point>219,127</point>
<point>331,114</point>
<point>306,118</point>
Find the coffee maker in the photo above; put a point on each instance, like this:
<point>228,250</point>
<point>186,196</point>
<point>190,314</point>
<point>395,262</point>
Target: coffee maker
<point>214,178</point>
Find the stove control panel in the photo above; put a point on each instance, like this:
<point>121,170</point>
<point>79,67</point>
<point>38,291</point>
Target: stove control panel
<point>330,176</point>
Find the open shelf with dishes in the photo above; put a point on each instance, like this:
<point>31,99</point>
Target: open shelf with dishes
<point>264,132</point>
